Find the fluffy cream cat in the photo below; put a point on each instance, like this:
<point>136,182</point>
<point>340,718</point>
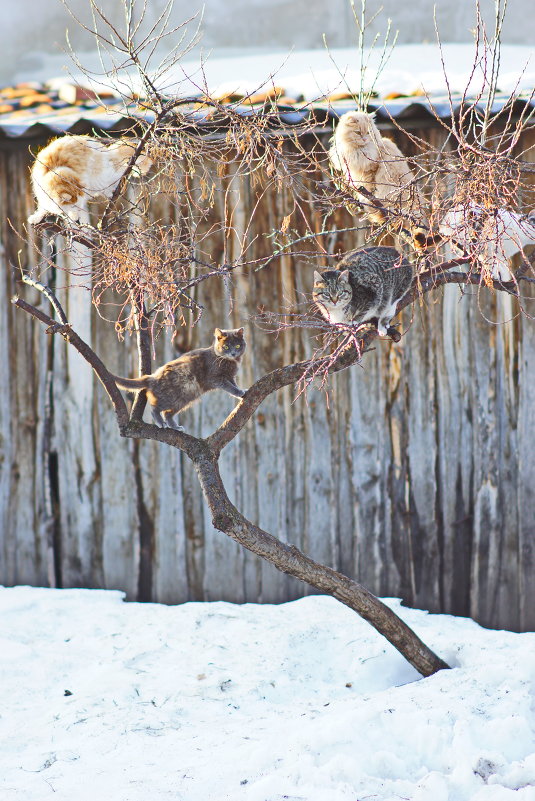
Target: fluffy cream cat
<point>493,236</point>
<point>74,169</point>
<point>367,159</point>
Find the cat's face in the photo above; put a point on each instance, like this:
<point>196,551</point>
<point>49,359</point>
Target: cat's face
<point>229,343</point>
<point>332,295</point>
<point>356,126</point>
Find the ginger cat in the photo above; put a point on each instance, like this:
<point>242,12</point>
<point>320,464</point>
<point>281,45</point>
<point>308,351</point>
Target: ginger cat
<point>72,170</point>
<point>370,160</point>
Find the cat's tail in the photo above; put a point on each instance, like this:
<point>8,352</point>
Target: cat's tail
<point>419,238</point>
<point>143,382</point>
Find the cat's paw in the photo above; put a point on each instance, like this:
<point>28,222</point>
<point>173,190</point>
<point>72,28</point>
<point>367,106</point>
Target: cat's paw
<point>175,426</point>
<point>36,217</point>
<point>43,217</point>
<point>393,333</point>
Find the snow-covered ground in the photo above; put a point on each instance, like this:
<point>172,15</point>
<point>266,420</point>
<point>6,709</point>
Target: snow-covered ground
<point>103,700</point>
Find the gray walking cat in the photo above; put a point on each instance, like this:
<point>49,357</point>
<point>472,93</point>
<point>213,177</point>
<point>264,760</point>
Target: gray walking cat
<point>178,384</point>
<point>365,287</point>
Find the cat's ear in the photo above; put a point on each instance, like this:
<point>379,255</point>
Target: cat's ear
<point>317,278</point>
<point>218,333</point>
<point>344,276</point>
<point>239,332</point>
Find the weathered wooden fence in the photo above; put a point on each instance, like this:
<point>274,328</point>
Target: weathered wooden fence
<point>415,474</point>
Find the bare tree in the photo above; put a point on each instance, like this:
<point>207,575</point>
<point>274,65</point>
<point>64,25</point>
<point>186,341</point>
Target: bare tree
<point>202,146</point>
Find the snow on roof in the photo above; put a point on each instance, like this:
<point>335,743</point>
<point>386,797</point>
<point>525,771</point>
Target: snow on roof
<point>410,69</point>
<point>297,85</point>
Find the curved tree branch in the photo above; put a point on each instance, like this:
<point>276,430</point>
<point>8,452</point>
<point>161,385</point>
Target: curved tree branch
<point>47,292</point>
<point>277,379</point>
<point>54,224</point>
<point>88,354</point>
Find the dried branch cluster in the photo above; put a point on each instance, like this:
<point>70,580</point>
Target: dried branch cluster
<point>203,148</point>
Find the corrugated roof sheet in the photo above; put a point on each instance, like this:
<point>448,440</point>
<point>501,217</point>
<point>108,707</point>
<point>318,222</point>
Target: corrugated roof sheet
<point>31,110</point>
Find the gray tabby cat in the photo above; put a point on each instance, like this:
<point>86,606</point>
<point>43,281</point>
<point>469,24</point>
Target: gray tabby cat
<point>365,288</point>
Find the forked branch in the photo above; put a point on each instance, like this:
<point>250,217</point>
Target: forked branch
<point>226,518</point>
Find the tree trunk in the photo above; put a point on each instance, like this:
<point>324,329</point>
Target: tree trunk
<point>288,559</point>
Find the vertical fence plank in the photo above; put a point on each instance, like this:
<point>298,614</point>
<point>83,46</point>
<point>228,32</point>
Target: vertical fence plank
<point>79,477</point>
<point>454,438</point>
<point>525,495</point>
<point>119,515</point>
